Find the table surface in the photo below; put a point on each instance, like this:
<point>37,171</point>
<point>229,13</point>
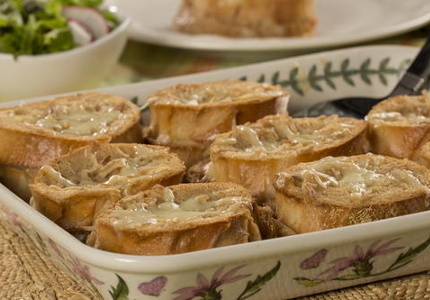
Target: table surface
<point>140,62</point>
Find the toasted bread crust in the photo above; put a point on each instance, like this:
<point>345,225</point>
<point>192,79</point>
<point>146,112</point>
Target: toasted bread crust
<point>247,18</point>
<point>42,131</point>
<point>190,115</point>
<point>252,154</point>
<point>229,224</point>
<point>422,155</point>
<point>74,209</point>
<point>398,126</point>
<point>340,191</point>
<point>66,189</point>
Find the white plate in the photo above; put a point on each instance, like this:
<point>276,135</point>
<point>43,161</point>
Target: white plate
<point>341,22</point>
<point>281,268</point>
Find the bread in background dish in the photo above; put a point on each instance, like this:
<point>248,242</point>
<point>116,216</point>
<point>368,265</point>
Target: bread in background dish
<point>247,18</point>
<point>177,219</point>
<point>253,153</point>
<point>187,117</point>
<point>33,134</point>
<point>400,125</point>
<point>74,188</point>
<point>339,191</point>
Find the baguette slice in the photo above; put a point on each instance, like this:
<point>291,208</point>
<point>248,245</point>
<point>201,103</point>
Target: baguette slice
<point>252,154</point>
<point>33,134</point>
<point>340,191</point>
<point>186,117</point>
<point>74,188</point>
<point>398,126</point>
<point>422,155</point>
<point>247,18</point>
<point>177,219</point>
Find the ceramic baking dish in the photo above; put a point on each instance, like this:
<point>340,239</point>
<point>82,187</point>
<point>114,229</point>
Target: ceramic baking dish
<point>279,268</point>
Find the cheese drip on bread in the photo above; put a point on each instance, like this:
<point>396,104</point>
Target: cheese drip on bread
<point>361,180</point>
<point>284,134</point>
<point>113,168</point>
<point>166,208</point>
<point>90,115</point>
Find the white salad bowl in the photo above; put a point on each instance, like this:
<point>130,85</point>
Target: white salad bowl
<point>79,68</point>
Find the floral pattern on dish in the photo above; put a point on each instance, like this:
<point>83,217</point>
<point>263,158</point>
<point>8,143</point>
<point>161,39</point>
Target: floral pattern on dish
<point>360,264</point>
<point>210,290</point>
<point>204,289</point>
<point>153,287</point>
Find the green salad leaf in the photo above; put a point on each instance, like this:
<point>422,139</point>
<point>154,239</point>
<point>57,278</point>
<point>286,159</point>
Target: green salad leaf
<point>37,27</point>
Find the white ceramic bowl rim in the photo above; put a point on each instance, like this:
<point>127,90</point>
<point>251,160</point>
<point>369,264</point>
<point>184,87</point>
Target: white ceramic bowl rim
<point>125,22</point>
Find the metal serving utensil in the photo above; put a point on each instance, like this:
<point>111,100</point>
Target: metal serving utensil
<point>412,82</point>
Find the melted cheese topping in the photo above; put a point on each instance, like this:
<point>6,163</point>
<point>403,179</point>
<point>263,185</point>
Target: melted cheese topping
<point>358,177</point>
<point>166,209</point>
<point>86,117</point>
<point>402,110</point>
<point>396,117</point>
<point>114,168</point>
<point>215,92</point>
<point>285,134</point>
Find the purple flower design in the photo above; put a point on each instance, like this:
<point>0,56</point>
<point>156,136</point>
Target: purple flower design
<point>207,289</point>
<point>15,220</point>
<point>153,287</point>
<point>55,247</point>
<point>360,261</point>
<point>83,271</point>
<point>315,260</point>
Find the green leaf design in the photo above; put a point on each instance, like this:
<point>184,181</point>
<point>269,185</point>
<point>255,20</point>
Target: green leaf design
<point>404,65</point>
<point>346,75</point>
<point>293,81</point>
<point>386,70</point>
<point>307,282</point>
<point>120,292</point>
<point>318,79</point>
<point>212,294</point>
<point>262,78</point>
<point>313,79</point>
<point>383,66</point>
<point>383,79</point>
<point>349,277</point>
<point>253,287</point>
<point>407,257</point>
<point>328,75</point>
<point>344,65</point>
<point>134,99</point>
<point>275,78</point>
<point>364,71</point>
